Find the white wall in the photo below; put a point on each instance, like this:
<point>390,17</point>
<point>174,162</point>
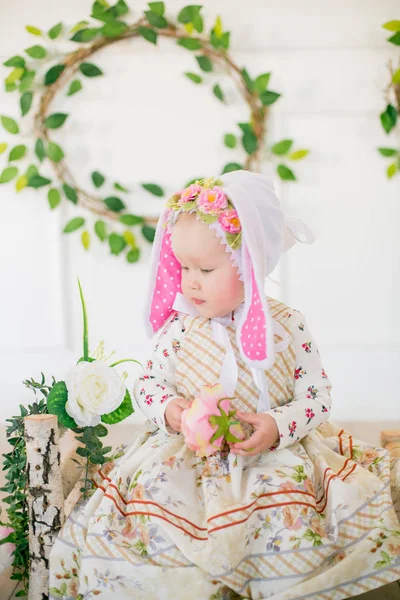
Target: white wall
<point>145,121</point>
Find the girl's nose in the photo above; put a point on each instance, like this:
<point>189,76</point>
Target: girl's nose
<point>194,285</point>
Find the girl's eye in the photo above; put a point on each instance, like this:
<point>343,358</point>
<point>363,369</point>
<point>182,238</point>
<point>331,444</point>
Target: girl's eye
<point>207,270</point>
<point>185,268</point>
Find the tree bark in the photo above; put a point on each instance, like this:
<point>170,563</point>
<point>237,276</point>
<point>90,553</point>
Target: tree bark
<point>45,498</point>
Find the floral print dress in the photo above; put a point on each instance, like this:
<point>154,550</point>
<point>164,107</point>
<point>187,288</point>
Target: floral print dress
<point>313,517</point>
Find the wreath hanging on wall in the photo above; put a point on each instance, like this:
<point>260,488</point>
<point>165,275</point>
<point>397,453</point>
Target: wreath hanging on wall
<point>391,115</point>
<point>38,87</point>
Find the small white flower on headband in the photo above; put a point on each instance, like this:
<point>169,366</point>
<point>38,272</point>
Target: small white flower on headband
<point>210,203</point>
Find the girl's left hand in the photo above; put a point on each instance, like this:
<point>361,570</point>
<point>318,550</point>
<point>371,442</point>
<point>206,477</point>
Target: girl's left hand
<point>266,434</point>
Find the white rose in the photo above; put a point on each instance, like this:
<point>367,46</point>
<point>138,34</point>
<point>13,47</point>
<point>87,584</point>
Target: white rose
<point>94,389</point>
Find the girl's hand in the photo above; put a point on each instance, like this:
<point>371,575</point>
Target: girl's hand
<point>173,412</point>
<point>266,434</point>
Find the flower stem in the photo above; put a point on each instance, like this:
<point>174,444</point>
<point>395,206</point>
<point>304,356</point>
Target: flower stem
<point>126,360</point>
<point>85,325</point>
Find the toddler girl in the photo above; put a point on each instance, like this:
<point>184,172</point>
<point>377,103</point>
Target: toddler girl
<point>298,509</point>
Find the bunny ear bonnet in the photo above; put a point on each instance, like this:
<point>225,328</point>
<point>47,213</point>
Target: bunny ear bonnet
<point>245,211</point>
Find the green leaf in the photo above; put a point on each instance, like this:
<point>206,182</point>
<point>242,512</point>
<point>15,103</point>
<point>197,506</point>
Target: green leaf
<point>85,35</point>
<point>117,244</point>
<point>388,151</point>
<point>82,452</point>
<point>154,189</point>
<point>389,118</point>
<point>53,74</point>
<point>195,78</point>
<point>15,61</point>
<point>39,149</point>
<point>267,98</point>
<point>130,220</point>
<point>285,173</point>
<point>148,233</point>
<point>15,75</point>
<point>100,430</point>
<point>218,93</point>
<point>90,70</point>
<point>33,30</point>
<point>113,203</point>
<point>55,120</point>
<point>74,224</point>
<point>122,412</point>
<point>36,52</point>
<point>204,63</point>
<point>17,152</point>
<point>157,7</point>
<point>100,230</point>
<point>189,43</point>
<point>395,39</point>
<point>133,255</point>
<point>32,171</point>
<point>3,147</point>
<point>80,25</point>
<point>298,154</point>
<point>56,401</point>
<point>189,13</point>
<point>120,187</point>
<point>54,152</point>
<point>26,102</point>
<point>396,77</point>
<point>85,239</point>
<point>70,193</point>
<point>74,87</point>
<point>8,174</point>
<point>391,170</point>
<point>55,31</point>
<point>120,9</point>
<point>26,81</point>
<point>149,34</point>
<point>114,29</point>
<point>250,142</point>
<point>54,198</point>
<point>282,147</point>
<point>37,181</point>
<point>98,179</point>
<point>230,140</point>
<point>156,20</point>
<point>261,82</point>
<point>20,594</point>
<point>10,125</point>
<point>232,167</point>
<point>392,25</point>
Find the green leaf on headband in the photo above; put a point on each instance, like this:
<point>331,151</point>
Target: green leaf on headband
<point>234,240</point>
<point>207,218</point>
<point>188,205</point>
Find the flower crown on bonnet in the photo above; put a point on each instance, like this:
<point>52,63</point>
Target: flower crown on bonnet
<point>207,199</point>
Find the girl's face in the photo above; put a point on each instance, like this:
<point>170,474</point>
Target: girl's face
<point>209,279</point>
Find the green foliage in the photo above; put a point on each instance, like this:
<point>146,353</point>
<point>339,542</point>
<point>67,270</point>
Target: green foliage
<point>154,189</point>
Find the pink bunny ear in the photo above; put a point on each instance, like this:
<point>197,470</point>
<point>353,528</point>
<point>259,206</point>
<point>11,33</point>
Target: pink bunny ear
<point>167,280</point>
<point>255,332</point>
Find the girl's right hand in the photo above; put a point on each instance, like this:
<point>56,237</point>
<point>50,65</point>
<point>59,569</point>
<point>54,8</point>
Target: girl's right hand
<point>173,412</point>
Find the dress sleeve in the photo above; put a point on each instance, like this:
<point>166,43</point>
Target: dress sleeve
<point>156,388</point>
<point>311,403</point>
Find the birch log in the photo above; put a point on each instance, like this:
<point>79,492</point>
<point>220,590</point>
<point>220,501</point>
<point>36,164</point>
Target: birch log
<point>45,498</point>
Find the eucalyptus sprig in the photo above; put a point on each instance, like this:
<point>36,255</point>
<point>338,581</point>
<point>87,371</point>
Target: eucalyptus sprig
<point>390,116</point>
<point>38,80</point>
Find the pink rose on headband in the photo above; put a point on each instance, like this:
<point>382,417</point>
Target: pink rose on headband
<point>189,194</point>
<point>229,221</point>
<point>209,420</point>
<point>212,200</point>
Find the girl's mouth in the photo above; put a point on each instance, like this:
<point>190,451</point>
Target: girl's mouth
<point>195,301</point>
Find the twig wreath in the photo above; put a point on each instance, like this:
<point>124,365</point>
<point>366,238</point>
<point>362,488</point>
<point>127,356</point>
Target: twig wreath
<point>390,116</point>
<point>107,27</point>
